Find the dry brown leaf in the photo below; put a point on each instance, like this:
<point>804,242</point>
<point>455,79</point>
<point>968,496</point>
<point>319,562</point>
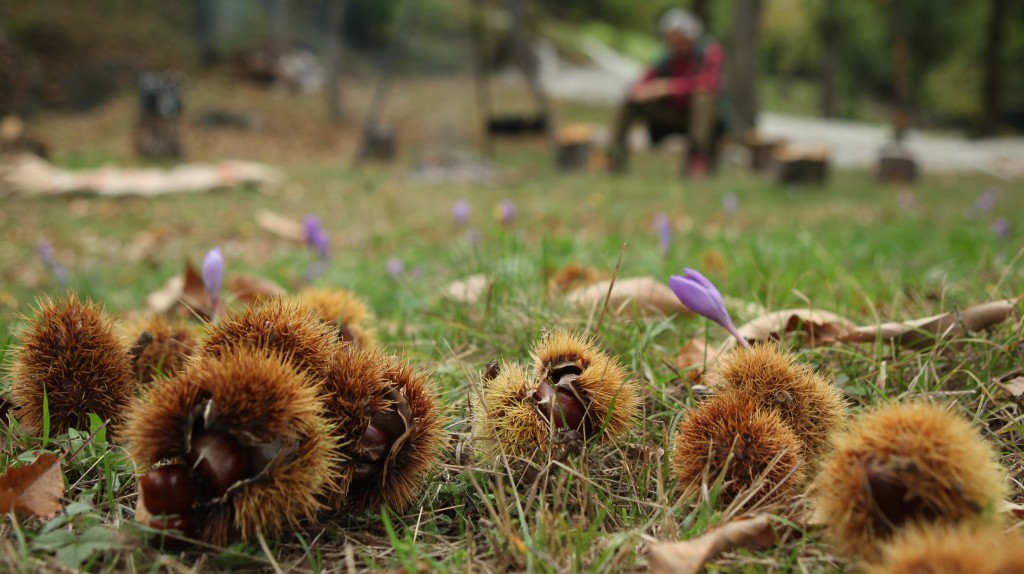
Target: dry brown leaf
<point>921,332</point>
<point>572,277</point>
<point>819,327</point>
<point>186,289</point>
<point>166,297</point>
<point>33,489</point>
<point>250,289</point>
<point>280,226</point>
<point>1014,387</point>
<point>694,357</point>
<point>689,556</point>
<point>467,290</point>
<point>645,296</point>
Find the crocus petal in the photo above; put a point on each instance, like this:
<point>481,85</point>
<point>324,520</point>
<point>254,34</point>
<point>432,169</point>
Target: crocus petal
<point>316,237</point>
<point>664,227</point>
<point>213,274</point>
<point>396,268</point>
<point>698,294</point>
<point>460,212</point>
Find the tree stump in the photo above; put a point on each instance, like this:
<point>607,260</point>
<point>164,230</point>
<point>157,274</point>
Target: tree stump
<point>379,143</point>
<point>573,146</point>
<point>761,150</point>
<point>896,164</point>
<point>157,132</point>
<point>801,166</point>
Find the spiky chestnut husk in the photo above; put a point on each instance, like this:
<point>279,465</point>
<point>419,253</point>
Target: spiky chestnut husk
<point>158,347</point>
<point>749,444</point>
<point>946,549</point>
<point>345,311</point>
<point>389,430</point>
<point>70,351</point>
<point>809,403</point>
<point>904,463</point>
<point>506,418</point>
<point>609,398</point>
<point>272,410</point>
<point>280,326</point>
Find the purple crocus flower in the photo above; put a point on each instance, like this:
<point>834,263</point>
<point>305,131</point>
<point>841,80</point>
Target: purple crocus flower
<point>316,237</point>
<point>506,212</point>
<point>986,202</point>
<point>213,274</point>
<point>730,203</point>
<point>702,297</point>
<point>396,268</point>
<point>664,228</point>
<point>460,212</point>
<point>46,255</point>
<point>1001,228</point>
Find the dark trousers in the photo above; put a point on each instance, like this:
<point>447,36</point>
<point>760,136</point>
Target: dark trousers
<point>696,121</point>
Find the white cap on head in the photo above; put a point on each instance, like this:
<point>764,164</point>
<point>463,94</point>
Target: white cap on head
<point>683,21</point>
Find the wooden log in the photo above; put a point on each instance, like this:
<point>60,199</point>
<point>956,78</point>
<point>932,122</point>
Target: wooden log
<point>896,164</point>
<point>761,149</point>
<point>573,147</point>
<point>801,166</point>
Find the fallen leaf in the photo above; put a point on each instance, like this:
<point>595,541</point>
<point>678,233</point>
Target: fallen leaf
<point>250,289</point>
<point>689,556</point>
<point>922,332</point>
<point>166,297</point>
<point>694,357</point>
<point>467,290</point>
<point>33,489</point>
<point>574,276</point>
<point>280,226</point>
<point>645,296</point>
<point>820,327</point>
<point>186,289</point>
<point>1014,387</point>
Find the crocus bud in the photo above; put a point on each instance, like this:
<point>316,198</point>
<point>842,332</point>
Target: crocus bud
<point>664,228</point>
<point>505,212</point>
<point>396,268</point>
<point>316,237</point>
<point>702,297</point>
<point>460,212</point>
<point>213,274</point>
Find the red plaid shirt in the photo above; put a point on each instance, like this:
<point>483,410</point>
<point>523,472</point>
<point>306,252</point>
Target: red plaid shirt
<point>698,71</point>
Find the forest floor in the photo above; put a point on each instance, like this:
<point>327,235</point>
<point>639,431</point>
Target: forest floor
<point>868,252</point>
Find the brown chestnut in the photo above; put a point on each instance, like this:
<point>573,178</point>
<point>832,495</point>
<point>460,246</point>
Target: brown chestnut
<point>562,405</point>
<point>168,489</point>
<point>375,443</point>
<point>181,523</point>
<point>219,459</point>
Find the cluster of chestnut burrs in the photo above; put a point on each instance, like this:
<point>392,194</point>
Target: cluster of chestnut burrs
<point>891,486</point>
<point>286,411</point>
<point>278,413</point>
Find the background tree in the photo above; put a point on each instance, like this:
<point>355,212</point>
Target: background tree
<point>743,70</point>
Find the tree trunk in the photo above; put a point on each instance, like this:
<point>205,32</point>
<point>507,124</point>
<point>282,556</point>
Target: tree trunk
<point>991,100</point>
<point>746,15</point>
<point>333,48</point>
<point>830,30</point>
<point>900,69</point>
<point>278,12</point>
<point>702,10</point>
<point>206,22</point>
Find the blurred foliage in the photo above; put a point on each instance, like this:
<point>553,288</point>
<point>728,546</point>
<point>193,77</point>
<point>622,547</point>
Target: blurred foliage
<point>78,56</point>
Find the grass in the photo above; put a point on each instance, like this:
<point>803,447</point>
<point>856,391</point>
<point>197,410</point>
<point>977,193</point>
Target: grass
<point>848,247</point>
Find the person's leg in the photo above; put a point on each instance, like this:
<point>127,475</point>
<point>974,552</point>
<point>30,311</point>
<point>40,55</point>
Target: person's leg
<point>701,132</point>
<point>660,116</point>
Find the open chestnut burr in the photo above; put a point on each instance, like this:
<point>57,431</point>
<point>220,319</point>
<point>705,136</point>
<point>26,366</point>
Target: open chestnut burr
<point>574,387</point>
<point>231,447</point>
<point>388,428</point>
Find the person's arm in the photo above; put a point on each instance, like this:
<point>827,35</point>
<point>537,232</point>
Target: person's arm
<point>707,80</point>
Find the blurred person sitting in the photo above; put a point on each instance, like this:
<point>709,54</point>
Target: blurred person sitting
<point>681,94</point>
